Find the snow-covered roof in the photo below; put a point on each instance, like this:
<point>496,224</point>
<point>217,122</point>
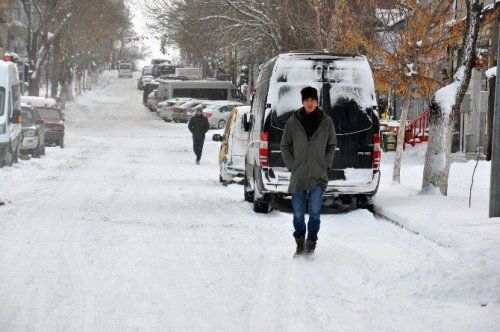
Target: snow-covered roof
<point>389,17</point>
<point>39,101</point>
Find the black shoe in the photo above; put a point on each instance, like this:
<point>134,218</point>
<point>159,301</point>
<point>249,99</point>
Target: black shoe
<point>300,246</point>
<point>197,161</point>
<point>310,247</point>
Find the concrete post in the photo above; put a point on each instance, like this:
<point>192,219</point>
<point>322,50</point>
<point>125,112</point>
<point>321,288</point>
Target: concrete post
<point>495,156</point>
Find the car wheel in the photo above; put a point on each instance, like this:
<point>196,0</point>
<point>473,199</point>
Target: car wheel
<point>260,206</point>
<point>36,152</point>
<point>221,124</point>
<point>16,153</point>
<point>61,143</point>
<point>8,157</point>
<point>247,191</point>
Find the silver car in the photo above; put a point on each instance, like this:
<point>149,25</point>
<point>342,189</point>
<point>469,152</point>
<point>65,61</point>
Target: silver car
<point>167,106</point>
<point>33,130</point>
<point>218,114</point>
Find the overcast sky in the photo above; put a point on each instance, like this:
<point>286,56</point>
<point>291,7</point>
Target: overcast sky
<point>139,21</point>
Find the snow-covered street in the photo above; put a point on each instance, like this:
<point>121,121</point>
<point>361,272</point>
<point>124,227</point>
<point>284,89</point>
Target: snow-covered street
<point>122,231</point>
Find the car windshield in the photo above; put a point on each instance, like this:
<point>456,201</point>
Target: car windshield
<point>28,117</point>
<point>125,66</point>
<point>48,113</point>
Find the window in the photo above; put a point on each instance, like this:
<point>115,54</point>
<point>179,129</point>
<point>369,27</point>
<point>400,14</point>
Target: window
<point>200,93</point>
<point>2,100</point>
<point>28,117</point>
<point>48,113</point>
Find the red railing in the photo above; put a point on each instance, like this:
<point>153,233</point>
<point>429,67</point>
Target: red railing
<point>416,129</point>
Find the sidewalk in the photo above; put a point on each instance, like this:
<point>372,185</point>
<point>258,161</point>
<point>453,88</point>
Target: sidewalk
<point>468,240</point>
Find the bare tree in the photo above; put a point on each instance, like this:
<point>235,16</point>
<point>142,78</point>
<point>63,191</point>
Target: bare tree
<point>445,109</point>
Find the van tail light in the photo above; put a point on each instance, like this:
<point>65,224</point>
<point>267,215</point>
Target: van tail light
<point>208,114</point>
<point>376,152</point>
<point>264,149</point>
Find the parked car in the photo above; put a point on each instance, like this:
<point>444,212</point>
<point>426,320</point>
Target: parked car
<point>151,101</point>
<point>54,122</point>
<point>233,146</point>
<point>147,70</point>
<point>165,112</point>
<point>143,80</point>
<point>346,93</point>
<point>148,88</point>
<point>179,112</point>
<point>204,104</point>
<point>125,70</point>
<point>33,129</point>
<point>218,113</point>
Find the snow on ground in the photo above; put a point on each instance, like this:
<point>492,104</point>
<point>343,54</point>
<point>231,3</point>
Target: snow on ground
<point>121,231</point>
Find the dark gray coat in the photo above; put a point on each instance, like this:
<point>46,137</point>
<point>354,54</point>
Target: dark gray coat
<point>308,160</point>
<point>198,126</point>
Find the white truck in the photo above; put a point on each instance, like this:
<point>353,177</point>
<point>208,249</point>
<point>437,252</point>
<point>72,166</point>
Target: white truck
<point>10,114</point>
<point>192,74</point>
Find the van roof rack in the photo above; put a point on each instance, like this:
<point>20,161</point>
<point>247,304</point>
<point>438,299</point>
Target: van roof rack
<point>318,52</point>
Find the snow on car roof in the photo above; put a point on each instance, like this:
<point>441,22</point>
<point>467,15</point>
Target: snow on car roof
<point>39,101</point>
<point>349,77</point>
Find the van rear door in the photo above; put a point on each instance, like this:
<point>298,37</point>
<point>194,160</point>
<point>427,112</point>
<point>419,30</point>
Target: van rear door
<point>346,92</point>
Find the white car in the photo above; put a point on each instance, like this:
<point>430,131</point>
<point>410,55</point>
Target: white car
<point>218,113</point>
<point>165,107</point>
<point>233,148</point>
<point>125,70</point>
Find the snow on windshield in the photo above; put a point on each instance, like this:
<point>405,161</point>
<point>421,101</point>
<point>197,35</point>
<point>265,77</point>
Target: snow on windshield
<point>349,78</point>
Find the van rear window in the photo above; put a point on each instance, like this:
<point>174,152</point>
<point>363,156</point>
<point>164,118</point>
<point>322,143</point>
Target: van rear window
<point>125,67</point>
<point>340,102</point>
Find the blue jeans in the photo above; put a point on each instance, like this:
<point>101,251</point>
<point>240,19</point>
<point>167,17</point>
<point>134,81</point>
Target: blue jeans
<point>299,208</point>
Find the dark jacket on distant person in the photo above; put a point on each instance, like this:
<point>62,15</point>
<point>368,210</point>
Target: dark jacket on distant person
<point>198,126</point>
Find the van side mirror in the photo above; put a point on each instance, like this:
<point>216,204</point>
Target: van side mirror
<point>217,138</point>
<point>247,121</point>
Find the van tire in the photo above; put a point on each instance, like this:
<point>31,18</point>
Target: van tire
<point>36,152</point>
<point>8,157</point>
<point>61,143</point>
<point>247,192</point>
<point>16,153</point>
<point>260,206</point>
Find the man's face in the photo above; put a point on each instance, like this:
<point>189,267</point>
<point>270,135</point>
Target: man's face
<point>310,104</point>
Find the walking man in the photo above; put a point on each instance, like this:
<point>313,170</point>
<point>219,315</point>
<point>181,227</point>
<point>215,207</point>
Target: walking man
<point>198,126</point>
<point>308,146</point>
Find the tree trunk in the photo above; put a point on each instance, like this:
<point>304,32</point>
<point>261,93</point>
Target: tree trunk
<point>396,172</point>
<point>438,155</point>
<point>442,121</point>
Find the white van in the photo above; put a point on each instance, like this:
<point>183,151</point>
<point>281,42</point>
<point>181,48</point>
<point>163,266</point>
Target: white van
<point>125,70</point>
<point>10,114</point>
<point>210,90</point>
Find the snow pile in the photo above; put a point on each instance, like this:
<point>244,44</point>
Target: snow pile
<point>466,235</point>
<point>491,72</point>
<point>445,97</point>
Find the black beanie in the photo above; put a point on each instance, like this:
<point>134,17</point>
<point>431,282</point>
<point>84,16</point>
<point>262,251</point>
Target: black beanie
<point>309,92</point>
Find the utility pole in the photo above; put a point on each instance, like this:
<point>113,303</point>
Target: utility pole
<point>495,148</point>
